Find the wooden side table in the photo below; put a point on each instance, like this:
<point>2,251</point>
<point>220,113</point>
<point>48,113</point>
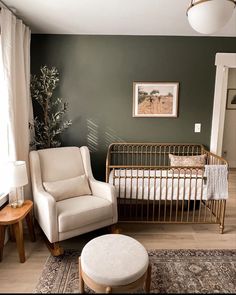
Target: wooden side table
<point>14,217</point>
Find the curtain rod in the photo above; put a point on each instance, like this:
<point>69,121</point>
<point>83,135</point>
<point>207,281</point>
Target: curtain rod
<point>7,7</point>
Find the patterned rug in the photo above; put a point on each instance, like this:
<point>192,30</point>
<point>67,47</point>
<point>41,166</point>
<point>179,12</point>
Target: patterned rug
<point>173,271</point>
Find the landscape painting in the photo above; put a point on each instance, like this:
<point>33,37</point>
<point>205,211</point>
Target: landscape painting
<point>155,99</point>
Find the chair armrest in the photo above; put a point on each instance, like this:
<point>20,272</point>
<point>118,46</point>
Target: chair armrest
<point>46,214</point>
<point>106,191</point>
<point>44,204</point>
<point>103,190</point>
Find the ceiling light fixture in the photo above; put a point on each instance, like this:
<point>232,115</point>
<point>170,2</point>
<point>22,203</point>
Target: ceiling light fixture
<point>208,16</point>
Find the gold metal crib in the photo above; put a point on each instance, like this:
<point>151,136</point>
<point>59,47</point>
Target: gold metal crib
<point>149,190</point>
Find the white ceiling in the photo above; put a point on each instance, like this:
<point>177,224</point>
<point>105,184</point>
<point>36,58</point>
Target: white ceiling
<point>110,17</point>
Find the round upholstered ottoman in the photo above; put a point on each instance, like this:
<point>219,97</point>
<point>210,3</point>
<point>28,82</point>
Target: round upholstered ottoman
<point>114,263</point>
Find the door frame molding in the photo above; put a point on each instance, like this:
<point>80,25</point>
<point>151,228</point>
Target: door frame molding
<point>223,62</point>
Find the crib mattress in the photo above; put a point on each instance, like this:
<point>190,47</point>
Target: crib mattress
<point>157,185</point>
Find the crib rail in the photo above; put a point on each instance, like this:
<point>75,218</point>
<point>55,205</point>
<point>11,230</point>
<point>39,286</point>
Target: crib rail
<point>148,154</point>
<point>133,167</point>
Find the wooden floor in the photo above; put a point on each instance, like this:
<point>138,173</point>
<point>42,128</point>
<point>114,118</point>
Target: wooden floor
<point>18,277</point>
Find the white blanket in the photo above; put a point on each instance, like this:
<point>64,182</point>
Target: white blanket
<point>169,187</point>
<point>217,181</point>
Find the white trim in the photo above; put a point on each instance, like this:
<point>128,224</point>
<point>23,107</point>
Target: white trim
<point>223,62</point>
<point>3,199</point>
<point>226,59</point>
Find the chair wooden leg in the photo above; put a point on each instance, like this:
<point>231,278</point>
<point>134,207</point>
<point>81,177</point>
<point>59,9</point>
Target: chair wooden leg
<point>147,284</point>
<point>54,248</point>
<point>108,290</point>
<point>81,281</point>
<point>113,229</point>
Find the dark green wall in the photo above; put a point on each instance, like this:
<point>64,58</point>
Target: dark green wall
<point>96,76</point>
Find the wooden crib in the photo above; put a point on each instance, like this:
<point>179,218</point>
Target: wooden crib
<point>149,190</point>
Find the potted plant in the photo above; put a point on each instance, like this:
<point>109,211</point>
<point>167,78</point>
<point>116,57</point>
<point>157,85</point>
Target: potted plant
<point>49,123</point>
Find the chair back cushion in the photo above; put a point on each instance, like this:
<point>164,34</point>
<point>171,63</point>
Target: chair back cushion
<point>60,163</point>
<point>68,188</point>
<point>63,173</point>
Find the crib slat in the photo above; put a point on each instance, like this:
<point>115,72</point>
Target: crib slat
<point>189,195</point>
<point>160,193</point>
<point>195,196</point>
<point>183,197</point>
<point>166,189</point>
<point>130,194</point>
<point>172,192</point>
<point>142,195</point>
<point>177,198</point>
<point>200,205</point>
<point>119,198</point>
<point>149,178</point>
<point>154,196</point>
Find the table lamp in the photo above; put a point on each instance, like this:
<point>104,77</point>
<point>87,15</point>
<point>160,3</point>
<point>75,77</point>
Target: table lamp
<point>18,178</point>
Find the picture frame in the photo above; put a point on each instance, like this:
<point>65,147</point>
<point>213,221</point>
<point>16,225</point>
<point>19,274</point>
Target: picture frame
<point>155,99</point>
<point>231,99</point>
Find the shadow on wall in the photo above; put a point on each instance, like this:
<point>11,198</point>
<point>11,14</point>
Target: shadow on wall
<point>99,137</point>
<point>110,137</point>
<point>92,136</point>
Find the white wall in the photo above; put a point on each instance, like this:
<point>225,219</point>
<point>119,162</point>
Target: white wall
<point>229,139</point>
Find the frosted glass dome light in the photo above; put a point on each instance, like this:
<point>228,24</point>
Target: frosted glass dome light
<point>208,16</point>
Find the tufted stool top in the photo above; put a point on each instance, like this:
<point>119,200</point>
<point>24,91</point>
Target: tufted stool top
<point>114,260</point>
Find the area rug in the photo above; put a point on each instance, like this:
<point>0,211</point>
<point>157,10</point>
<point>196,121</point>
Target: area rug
<point>173,271</point>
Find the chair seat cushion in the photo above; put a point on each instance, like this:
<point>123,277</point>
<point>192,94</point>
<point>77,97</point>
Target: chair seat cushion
<point>81,211</point>
<point>114,260</point>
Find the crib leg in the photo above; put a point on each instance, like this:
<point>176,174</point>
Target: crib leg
<point>221,228</point>
<point>222,217</point>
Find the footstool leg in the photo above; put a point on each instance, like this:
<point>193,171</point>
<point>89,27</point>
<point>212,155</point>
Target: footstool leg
<point>108,290</point>
<point>81,281</point>
<point>147,284</point>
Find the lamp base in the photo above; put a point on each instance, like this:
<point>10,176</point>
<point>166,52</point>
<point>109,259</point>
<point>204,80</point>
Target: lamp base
<point>17,204</point>
<point>16,197</point>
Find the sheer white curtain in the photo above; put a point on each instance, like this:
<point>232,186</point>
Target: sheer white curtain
<point>15,95</point>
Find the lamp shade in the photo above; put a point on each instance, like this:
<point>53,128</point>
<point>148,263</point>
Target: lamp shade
<point>208,16</point>
<point>17,174</point>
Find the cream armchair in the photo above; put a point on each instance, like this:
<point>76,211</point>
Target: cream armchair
<point>68,201</point>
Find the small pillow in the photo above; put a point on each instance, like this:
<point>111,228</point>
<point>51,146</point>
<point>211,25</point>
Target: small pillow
<point>199,160</point>
<point>68,188</point>
<point>186,161</point>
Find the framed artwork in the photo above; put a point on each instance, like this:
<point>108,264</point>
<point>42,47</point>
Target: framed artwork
<point>231,99</point>
<point>155,99</point>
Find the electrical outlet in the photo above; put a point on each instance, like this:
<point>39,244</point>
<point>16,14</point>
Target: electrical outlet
<point>197,127</point>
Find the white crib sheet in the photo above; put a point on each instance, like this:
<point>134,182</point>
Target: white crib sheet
<point>165,188</point>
